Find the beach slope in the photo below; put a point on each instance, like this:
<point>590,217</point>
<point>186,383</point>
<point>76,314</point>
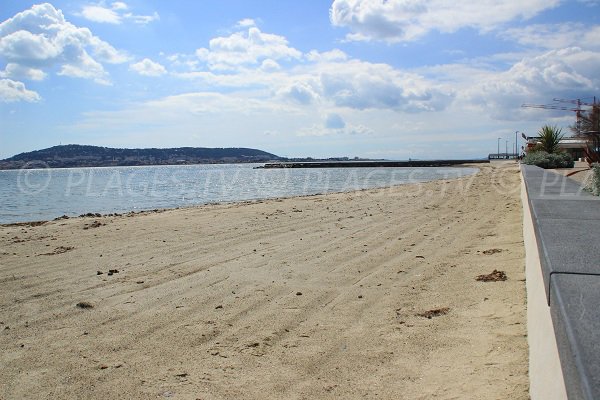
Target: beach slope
<point>370,294</point>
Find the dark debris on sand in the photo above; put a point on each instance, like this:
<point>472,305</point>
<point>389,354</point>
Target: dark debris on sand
<point>491,251</point>
<point>84,304</point>
<point>58,250</point>
<point>95,224</point>
<point>436,312</point>
<point>495,276</point>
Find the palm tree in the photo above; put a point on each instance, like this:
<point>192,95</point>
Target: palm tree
<point>549,137</point>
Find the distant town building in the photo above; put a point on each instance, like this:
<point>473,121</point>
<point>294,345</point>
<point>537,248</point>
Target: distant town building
<point>577,147</point>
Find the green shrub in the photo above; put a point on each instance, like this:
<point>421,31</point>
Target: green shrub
<point>545,160</point>
<point>550,137</point>
<point>537,158</point>
<point>562,160</point>
<point>536,148</point>
<point>595,184</point>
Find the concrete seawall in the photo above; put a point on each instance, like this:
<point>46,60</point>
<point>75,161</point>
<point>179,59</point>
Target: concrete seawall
<point>561,228</point>
<point>545,373</point>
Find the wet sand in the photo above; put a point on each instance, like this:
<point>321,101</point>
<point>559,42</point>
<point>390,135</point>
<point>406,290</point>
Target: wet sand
<point>370,294</point>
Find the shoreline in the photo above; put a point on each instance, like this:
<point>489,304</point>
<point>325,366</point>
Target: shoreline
<point>363,294</point>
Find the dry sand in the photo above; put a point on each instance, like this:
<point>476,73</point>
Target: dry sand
<point>301,298</point>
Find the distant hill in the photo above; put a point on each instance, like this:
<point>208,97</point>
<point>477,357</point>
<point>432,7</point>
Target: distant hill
<point>74,155</point>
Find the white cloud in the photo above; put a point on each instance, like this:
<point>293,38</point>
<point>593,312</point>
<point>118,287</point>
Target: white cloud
<point>591,37</point>
<point>361,85</point>
<point>26,46</point>
<point>119,5</point>
<point>100,14</point>
<point>329,56</point>
<point>272,87</point>
<point>269,65</point>
<point>352,84</point>
<point>245,23</point>
<point>17,71</point>
<point>41,38</point>
<point>554,36</point>
<point>12,91</point>
<point>115,14</point>
<point>106,53</point>
<point>358,130</point>
<point>246,48</point>
<point>188,62</point>
<point>142,19</point>
<point>347,129</point>
<point>565,73</point>
<point>570,69</point>
<point>148,67</point>
<point>327,78</point>
<point>406,20</point>
<point>469,97</point>
<point>84,66</point>
<point>243,78</point>
<point>299,92</point>
<point>194,116</point>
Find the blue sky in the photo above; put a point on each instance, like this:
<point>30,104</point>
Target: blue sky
<point>393,79</point>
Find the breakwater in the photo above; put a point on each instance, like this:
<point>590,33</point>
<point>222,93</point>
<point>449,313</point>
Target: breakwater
<point>371,164</point>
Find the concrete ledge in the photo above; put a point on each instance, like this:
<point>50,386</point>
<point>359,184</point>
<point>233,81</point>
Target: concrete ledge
<point>546,380</point>
<point>577,325</point>
<point>566,226</point>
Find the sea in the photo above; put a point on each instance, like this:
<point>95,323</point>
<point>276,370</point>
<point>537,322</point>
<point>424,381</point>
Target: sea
<point>44,194</point>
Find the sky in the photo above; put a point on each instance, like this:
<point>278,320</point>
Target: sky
<point>393,79</point>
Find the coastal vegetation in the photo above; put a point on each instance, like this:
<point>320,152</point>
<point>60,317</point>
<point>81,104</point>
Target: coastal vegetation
<point>546,160</point>
<point>546,154</point>
<point>550,137</point>
<point>594,186</point>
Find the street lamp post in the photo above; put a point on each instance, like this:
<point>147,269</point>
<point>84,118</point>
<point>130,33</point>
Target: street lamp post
<point>506,148</point>
<point>499,147</point>
<point>516,142</point>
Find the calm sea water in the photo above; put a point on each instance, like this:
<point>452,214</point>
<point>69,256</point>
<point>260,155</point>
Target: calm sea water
<point>42,194</point>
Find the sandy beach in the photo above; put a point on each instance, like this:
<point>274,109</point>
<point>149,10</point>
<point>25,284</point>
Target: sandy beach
<point>369,294</point>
